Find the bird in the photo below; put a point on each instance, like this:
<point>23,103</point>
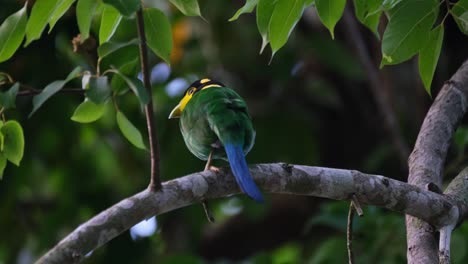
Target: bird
<point>215,124</point>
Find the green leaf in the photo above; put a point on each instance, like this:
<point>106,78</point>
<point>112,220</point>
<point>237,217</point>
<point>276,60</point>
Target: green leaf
<point>8,98</point>
<point>13,146</point>
<point>187,7</point>
<point>125,7</point>
<point>109,47</point>
<point>283,20</point>
<point>408,30</point>
<point>459,12</point>
<point>12,33</point>
<point>368,12</point>
<point>130,132</point>
<point>247,8</point>
<point>88,112</point>
<point>41,12</point>
<point>264,11</point>
<point>110,20</point>
<point>52,89</point>
<point>60,9</point>
<point>84,15</point>
<point>118,84</point>
<point>158,33</point>
<point>136,86</point>
<point>390,4</point>
<point>3,163</point>
<point>330,11</point>
<point>98,89</point>
<point>429,55</point>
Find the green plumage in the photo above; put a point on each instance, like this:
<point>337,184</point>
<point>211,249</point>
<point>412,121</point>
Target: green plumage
<point>215,116</point>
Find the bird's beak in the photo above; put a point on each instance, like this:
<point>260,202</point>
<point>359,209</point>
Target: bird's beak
<point>175,113</point>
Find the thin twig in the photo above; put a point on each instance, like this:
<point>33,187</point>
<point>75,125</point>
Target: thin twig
<point>155,182</point>
<point>357,205</point>
<point>349,233</point>
<point>31,91</point>
<point>375,84</point>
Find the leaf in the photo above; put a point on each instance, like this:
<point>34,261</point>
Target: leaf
<point>109,22</point>
<point>130,132</point>
<point>283,20</point>
<point>129,69</point>
<point>84,15</point>
<point>52,89</point>
<point>429,56</point>
<point>12,33</point>
<point>459,12</point>
<point>187,7</point>
<point>408,29</point>
<point>98,89</point>
<point>3,163</point>
<point>136,86</point>
<point>125,7</point>
<point>8,98</point>
<point>264,11</point>
<point>13,146</point>
<point>368,12</point>
<point>158,33</point>
<point>41,12</point>
<point>247,8</point>
<point>330,11</point>
<point>109,47</point>
<point>60,9</point>
<point>88,112</point>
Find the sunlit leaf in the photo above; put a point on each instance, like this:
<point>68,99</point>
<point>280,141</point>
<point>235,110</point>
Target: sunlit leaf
<point>98,89</point>
<point>136,86</point>
<point>125,7</point>
<point>84,15</point>
<point>158,33</point>
<point>12,33</point>
<point>429,56</point>
<point>52,89</point>
<point>248,7</point>
<point>264,11</point>
<point>110,20</point>
<point>283,20</point>
<point>109,47</point>
<point>368,12</point>
<point>330,11</point>
<point>130,132</point>
<point>60,9</point>
<point>408,30</point>
<point>13,146</point>
<point>459,12</point>
<point>41,12</point>
<point>88,112</point>
<point>8,98</point>
<point>187,7</point>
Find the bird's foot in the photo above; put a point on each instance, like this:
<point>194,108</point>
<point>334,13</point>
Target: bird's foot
<point>213,169</point>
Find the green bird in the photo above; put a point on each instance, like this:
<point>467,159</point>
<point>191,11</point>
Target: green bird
<point>215,124</point>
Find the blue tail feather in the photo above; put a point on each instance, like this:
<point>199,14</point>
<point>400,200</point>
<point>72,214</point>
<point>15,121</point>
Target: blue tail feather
<point>240,170</point>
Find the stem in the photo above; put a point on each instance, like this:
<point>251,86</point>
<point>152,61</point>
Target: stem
<point>155,182</point>
<point>349,233</point>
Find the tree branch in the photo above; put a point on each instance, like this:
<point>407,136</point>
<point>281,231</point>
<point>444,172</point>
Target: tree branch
<point>426,162</point>
<point>155,182</point>
<point>375,84</point>
<point>274,178</point>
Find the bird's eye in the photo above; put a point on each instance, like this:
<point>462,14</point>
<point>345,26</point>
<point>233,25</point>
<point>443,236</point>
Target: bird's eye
<point>192,90</point>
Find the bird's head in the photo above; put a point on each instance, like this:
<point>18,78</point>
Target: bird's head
<point>190,92</point>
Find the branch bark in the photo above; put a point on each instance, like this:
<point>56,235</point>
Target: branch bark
<point>275,178</point>
<point>426,162</point>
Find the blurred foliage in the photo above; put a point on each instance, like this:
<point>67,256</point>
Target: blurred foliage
<point>311,105</point>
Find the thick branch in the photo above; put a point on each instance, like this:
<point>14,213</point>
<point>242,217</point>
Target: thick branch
<point>426,162</point>
<point>275,178</point>
<point>155,182</point>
